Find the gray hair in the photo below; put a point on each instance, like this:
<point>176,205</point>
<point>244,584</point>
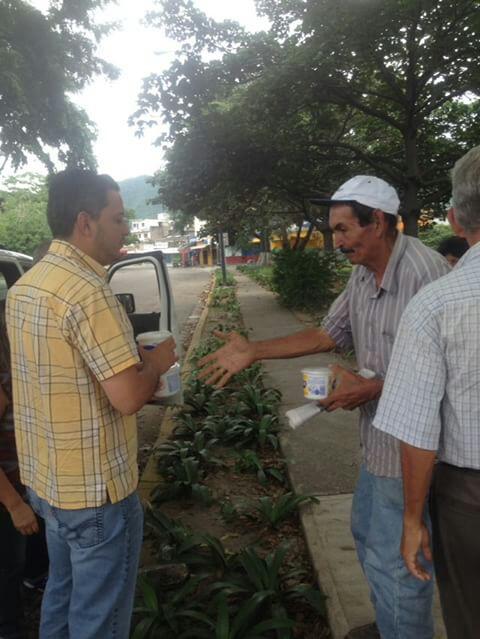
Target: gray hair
<point>466,190</point>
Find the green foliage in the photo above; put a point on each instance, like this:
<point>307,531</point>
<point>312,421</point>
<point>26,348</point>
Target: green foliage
<point>184,482</point>
<point>44,59</point>
<point>23,213</point>
<point>263,275</point>
<point>274,512</point>
<point>304,279</point>
<point>248,461</point>
<point>219,279</point>
<point>433,236</point>
<point>167,618</point>
<point>279,115</point>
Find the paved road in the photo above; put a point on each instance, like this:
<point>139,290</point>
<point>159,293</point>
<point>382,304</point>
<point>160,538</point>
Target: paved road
<point>141,280</point>
<point>187,285</point>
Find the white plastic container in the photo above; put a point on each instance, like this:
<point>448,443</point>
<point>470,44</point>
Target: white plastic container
<point>170,382</point>
<point>317,382</point>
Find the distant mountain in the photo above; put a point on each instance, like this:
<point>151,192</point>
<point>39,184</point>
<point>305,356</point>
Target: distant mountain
<point>136,192</point>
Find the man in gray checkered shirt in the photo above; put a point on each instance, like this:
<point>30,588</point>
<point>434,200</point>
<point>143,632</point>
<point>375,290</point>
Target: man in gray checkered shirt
<point>390,269</point>
<point>431,403</point>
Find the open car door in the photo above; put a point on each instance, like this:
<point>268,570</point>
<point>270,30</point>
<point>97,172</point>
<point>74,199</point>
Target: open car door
<point>141,283</point>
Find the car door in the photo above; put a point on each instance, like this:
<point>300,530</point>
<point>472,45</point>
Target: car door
<point>142,284</point>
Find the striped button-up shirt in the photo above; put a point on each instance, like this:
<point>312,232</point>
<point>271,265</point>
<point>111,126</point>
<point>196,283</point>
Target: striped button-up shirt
<point>366,317</point>
<point>68,333</point>
<point>431,397</point>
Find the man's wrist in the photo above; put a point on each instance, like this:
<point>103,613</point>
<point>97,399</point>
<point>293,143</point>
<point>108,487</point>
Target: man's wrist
<point>13,502</point>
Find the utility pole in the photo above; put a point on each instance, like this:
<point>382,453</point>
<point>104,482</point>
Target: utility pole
<point>221,244</point>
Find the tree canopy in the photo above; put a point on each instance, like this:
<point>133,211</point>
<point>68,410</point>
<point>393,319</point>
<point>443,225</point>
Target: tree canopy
<point>336,87</point>
<point>44,60</point>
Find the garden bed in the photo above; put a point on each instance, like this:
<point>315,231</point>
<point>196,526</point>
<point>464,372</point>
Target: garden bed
<point>226,553</point>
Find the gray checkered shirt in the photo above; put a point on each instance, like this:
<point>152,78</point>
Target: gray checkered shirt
<point>366,317</point>
<point>431,396</point>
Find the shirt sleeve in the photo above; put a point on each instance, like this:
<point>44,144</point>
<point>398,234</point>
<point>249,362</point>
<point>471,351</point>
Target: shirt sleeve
<point>337,322</point>
<point>100,330</point>
<point>410,405</point>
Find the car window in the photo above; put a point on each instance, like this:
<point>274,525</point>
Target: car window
<point>140,279</point>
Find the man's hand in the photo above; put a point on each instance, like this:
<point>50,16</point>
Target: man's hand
<point>24,518</point>
<point>218,367</point>
<point>350,390</point>
<point>162,357</point>
<point>416,538</point>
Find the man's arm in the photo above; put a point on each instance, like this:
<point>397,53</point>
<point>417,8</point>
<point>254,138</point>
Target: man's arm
<point>22,515</point>
<point>417,467</point>
<point>239,353</point>
<point>131,389</point>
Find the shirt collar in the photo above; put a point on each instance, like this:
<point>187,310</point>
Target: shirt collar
<point>389,279</point>
<point>65,249</point>
<point>473,253</point>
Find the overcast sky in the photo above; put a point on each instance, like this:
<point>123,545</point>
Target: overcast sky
<point>137,51</point>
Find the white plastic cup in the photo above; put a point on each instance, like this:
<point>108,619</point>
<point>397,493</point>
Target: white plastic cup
<point>170,382</point>
<point>317,382</point>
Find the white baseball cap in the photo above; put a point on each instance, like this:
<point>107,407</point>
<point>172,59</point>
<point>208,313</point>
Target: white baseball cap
<point>368,190</point>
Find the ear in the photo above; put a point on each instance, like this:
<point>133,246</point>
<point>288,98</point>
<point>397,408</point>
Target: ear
<point>83,224</point>
<point>452,219</point>
<point>379,222</point>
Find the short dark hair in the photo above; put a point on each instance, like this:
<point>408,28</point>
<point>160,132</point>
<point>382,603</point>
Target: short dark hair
<point>72,191</point>
<point>365,215</point>
<point>454,245</point>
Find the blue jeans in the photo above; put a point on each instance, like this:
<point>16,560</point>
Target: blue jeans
<point>403,604</point>
<point>94,554</point>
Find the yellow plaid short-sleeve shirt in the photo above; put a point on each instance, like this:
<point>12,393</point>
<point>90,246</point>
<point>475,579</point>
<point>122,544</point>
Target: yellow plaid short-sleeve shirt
<point>68,332</point>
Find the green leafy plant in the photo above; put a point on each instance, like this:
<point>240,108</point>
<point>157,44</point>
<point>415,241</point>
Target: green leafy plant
<point>245,432</point>
<point>275,511</point>
<point>172,617</point>
<point>242,623</point>
<point>257,402</point>
<point>304,279</point>
<point>184,479</point>
<point>248,461</point>
<point>198,448</point>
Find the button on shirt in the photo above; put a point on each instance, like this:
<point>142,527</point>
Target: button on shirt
<point>68,332</point>
<point>431,396</point>
<point>366,317</point>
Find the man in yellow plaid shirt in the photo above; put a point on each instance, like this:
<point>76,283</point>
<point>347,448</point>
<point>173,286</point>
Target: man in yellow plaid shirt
<point>77,382</point>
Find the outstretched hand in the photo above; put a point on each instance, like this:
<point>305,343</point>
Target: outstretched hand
<point>350,390</point>
<point>236,354</point>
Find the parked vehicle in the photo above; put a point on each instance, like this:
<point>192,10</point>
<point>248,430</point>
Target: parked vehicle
<point>140,281</point>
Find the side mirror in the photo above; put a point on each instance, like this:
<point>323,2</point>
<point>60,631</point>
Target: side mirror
<point>127,300</point>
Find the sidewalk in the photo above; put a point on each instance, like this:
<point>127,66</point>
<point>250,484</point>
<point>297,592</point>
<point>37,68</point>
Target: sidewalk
<point>323,459</point>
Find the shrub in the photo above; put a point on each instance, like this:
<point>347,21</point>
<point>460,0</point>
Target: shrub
<point>433,236</point>
<point>305,279</point>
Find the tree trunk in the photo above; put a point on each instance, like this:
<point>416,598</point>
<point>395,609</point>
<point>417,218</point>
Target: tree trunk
<point>306,239</point>
<point>411,204</point>
<point>327,240</point>
<point>297,238</point>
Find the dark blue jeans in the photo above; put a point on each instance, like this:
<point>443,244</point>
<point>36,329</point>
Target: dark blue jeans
<point>94,554</point>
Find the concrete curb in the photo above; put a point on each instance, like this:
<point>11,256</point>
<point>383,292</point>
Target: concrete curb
<point>150,477</point>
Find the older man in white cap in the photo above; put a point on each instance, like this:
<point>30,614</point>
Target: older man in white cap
<point>391,268</point>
